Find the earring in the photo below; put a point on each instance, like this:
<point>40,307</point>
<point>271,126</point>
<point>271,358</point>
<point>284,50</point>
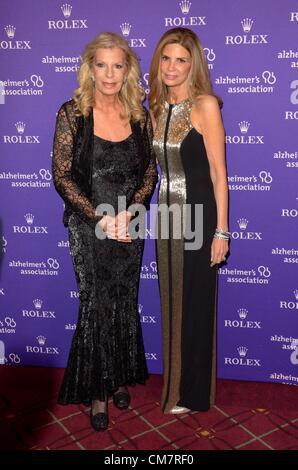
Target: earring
<point>92,78</point>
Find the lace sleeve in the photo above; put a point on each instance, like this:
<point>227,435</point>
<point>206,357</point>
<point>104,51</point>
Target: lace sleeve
<point>61,170</point>
<point>144,192</point>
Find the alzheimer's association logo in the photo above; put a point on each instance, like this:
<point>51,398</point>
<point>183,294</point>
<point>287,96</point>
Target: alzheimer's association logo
<point>210,56</point>
<point>4,244</point>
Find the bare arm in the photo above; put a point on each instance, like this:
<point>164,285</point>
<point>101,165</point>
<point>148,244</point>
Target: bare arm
<point>206,118</point>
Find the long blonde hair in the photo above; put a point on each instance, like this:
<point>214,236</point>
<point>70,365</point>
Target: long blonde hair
<point>131,94</point>
<point>199,78</point>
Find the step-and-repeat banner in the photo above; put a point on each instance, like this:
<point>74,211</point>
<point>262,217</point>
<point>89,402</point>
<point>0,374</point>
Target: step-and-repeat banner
<point>252,52</point>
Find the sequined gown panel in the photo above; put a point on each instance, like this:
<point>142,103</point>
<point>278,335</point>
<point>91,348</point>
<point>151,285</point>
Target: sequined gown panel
<point>187,283</point>
<point>107,348</point>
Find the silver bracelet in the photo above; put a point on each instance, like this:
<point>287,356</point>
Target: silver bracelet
<point>222,234</point>
<point>220,237</point>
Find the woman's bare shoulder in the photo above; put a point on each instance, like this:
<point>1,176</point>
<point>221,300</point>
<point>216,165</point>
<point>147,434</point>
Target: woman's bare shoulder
<point>206,103</point>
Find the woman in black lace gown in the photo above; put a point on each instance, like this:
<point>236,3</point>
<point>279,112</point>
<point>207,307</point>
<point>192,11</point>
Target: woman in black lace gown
<point>102,151</point>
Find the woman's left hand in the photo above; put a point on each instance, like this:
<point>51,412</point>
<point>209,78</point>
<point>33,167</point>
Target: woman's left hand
<point>219,249</point>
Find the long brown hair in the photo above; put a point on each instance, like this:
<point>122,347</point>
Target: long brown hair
<point>199,78</point>
<point>131,94</point>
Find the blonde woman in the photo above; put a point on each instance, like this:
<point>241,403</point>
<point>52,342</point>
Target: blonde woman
<point>102,151</point>
<point>189,145</point>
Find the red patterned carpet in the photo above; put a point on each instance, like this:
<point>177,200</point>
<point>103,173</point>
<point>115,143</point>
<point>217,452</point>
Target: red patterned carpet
<point>247,416</point>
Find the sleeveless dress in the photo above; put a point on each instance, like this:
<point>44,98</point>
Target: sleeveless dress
<point>186,280</point>
<point>107,348</point>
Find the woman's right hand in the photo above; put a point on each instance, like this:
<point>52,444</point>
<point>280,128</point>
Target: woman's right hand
<point>122,223</point>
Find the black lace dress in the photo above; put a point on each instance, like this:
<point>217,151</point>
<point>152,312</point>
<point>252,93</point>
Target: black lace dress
<point>107,349</point>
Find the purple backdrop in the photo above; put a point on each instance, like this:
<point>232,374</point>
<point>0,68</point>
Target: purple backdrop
<point>252,54</point>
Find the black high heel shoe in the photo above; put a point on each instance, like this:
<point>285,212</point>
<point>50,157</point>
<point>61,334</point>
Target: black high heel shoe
<point>100,421</point>
<point>121,400</point>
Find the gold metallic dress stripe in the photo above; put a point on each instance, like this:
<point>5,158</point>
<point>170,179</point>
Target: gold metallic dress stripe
<point>170,251</point>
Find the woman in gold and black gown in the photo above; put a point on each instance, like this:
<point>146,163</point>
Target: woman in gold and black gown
<point>189,146</point>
